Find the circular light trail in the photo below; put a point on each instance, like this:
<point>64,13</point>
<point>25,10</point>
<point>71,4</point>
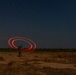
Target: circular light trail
<point>12,40</point>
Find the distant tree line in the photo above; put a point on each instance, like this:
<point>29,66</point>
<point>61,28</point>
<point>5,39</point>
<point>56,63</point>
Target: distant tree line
<point>41,50</point>
<point>56,50</point>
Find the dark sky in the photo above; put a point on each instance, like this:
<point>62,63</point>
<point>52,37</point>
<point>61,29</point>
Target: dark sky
<point>49,23</point>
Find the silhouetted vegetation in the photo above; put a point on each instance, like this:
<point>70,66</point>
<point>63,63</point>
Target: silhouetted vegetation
<point>56,50</point>
<point>7,50</point>
<point>40,50</point>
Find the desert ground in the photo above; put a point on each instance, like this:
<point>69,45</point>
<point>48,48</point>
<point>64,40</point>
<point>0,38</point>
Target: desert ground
<point>38,63</point>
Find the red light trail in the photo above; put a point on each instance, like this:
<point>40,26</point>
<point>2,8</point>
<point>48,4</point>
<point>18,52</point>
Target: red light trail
<point>32,44</point>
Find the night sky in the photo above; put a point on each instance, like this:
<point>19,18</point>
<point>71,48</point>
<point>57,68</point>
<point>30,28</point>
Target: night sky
<point>49,23</point>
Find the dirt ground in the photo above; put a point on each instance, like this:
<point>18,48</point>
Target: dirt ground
<point>38,63</point>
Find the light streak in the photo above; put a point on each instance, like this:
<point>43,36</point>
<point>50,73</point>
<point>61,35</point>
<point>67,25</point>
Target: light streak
<point>12,40</point>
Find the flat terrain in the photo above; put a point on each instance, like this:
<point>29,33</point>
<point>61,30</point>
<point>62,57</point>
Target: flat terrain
<point>38,63</point>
